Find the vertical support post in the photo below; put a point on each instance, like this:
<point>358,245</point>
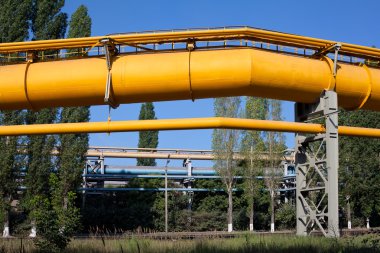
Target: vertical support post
<point>166,200</point>
<point>317,161</point>
<point>166,195</point>
<point>301,211</point>
<point>332,161</point>
<point>348,211</point>
<point>102,167</point>
<point>84,185</point>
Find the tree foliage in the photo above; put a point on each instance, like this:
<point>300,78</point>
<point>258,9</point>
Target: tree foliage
<point>80,23</point>
<point>262,153</point>
<point>252,148</point>
<point>147,139</point>
<point>275,145</point>
<point>79,26</point>
<point>359,164</point>
<point>14,26</point>
<point>11,164</point>
<point>224,143</point>
<point>47,20</point>
<point>55,224</point>
<point>14,20</point>
<point>73,147</point>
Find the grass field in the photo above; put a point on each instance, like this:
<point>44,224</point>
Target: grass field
<point>245,243</point>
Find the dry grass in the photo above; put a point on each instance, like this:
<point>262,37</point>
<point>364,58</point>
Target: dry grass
<point>245,243</point>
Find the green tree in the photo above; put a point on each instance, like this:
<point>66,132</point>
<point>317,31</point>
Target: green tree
<point>252,148</point>
<point>275,143</point>
<point>224,144</point>
<point>254,145</point>
<point>39,164</point>
<point>47,22</point>
<point>55,224</point>
<point>147,139</point>
<point>14,25</point>
<point>14,20</point>
<point>73,147</point>
<point>359,162</point>
<point>79,26</point>
<point>10,164</point>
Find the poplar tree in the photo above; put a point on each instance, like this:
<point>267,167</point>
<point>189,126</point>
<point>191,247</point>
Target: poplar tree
<point>147,139</point>
<point>253,147</point>
<point>14,20</point>
<point>10,167</point>
<point>47,22</point>
<point>224,143</point>
<point>73,147</point>
<point>275,145</point>
<point>14,25</point>
<point>145,209</point>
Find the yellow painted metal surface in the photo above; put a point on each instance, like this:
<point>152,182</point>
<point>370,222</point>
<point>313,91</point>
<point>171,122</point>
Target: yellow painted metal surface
<point>213,34</point>
<point>186,75</point>
<point>181,124</point>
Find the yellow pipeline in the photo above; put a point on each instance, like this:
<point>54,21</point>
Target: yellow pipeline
<point>180,124</point>
<point>186,75</point>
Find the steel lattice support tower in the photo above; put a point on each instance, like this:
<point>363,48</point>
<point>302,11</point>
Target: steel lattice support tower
<point>317,161</point>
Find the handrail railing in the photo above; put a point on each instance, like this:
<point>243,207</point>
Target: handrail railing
<point>174,36</point>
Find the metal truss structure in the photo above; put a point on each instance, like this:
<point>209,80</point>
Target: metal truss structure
<point>317,170</point>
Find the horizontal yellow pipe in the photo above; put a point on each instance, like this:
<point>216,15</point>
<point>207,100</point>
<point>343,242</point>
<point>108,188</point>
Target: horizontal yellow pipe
<point>184,35</point>
<point>186,75</point>
<point>180,124</point>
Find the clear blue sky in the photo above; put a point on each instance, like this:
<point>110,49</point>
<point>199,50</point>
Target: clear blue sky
<point>350,21</point>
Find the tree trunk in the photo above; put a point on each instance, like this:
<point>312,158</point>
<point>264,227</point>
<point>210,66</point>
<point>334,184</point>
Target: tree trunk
<point>33,232</point>
<point>272,211</point>
<point>348,215</point>
<point>6,232</point>
<point>65,201</point>
<point>229,220</point>
<point>251,217</point>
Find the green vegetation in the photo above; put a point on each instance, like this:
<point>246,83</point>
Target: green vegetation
<point>359,164</point>
<point>245,243</point>
<point>224,143</point>
<point>48,205</point>
<point>47,20</point>
<point>147,139</point>
<point>41,200</point>
<point>73,147</point>
<point>14,27</point>
<point>252,146</point>
<point>51,206</point>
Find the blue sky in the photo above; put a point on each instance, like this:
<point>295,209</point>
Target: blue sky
<point>349,21</point>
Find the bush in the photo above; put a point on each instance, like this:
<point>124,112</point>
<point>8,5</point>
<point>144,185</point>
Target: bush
<point>286,216</point>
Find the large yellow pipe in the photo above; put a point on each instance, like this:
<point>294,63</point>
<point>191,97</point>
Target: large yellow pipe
<point>180,124</point>
<point>186,75</point>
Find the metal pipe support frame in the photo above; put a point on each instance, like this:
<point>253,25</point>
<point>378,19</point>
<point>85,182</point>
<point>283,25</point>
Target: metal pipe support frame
<point>317,162</point>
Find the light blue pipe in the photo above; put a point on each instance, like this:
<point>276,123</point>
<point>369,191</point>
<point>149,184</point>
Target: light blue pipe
<point>160,171</point>
<point>107,177</point>
<point>154,189</point>
<point>168,189</point>
<point>150,170</point>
